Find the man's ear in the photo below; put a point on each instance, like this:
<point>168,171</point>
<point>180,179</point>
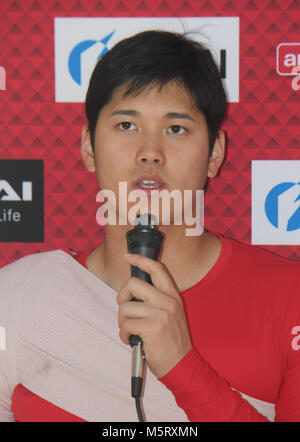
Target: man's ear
<point>217,156</point>
<point>86,150</point>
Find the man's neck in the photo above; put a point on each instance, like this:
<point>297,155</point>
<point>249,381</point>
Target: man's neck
<point>187,258</point>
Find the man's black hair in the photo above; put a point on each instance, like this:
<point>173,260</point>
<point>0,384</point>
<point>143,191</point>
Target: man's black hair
<point>154,58</point>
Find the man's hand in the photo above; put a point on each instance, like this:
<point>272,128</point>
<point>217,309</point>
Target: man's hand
<point>160,320</point>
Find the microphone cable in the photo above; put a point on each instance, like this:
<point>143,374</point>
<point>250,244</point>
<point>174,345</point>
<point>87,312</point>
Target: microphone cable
<point>144,239</point>
<point>139,410</point>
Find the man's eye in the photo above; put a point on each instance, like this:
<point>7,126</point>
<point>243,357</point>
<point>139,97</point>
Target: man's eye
<point>125,125</point>
<point>175,130</point>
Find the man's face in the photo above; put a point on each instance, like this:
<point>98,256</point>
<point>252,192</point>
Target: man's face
<point>158,136</point>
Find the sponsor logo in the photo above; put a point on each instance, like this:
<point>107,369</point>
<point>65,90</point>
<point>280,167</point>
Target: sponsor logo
<point>21,201</point>
<point>282,206</point>
<point>287,58</point>
<point>75,65</point>
<point>276,202</point>
<point>7,193</point>
<point>81,42</point>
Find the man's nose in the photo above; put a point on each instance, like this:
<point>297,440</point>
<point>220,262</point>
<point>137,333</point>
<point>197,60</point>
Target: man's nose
<point>150,152</point>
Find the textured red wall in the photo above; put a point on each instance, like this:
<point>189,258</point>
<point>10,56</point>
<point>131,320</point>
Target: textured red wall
<point>263,125</point>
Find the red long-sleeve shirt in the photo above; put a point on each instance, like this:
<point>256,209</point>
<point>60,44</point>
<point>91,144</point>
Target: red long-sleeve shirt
<point>244,321</point>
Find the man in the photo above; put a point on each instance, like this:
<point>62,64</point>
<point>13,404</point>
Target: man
<point>218,324</point>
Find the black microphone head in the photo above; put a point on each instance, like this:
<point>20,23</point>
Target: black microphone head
<point>145,238</point>
<point>145,220</point>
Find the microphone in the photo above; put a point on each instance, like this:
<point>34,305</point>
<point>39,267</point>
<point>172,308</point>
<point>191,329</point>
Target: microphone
<point>144,239</point>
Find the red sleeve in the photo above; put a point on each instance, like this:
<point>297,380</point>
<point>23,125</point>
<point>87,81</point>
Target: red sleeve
<point>204,396</point>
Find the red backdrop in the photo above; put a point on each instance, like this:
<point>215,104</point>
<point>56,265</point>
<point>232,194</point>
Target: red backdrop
<point>263,125</point>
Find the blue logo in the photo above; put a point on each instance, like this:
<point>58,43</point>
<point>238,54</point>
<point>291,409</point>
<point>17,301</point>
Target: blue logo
<point>282,206</point>
<point>74,61</point>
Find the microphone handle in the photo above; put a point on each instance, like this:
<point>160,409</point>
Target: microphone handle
<point>150,252</point>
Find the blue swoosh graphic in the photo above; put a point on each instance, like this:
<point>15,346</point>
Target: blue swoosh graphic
<point>74,62</point>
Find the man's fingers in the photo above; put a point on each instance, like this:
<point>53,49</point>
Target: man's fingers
<point>160,276</point>
<point>141,290</point>
<point>136,288</point>
<point>140,327</point>
<point>134,310</point>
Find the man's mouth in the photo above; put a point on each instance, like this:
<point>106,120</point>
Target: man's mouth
<point>148,183</point>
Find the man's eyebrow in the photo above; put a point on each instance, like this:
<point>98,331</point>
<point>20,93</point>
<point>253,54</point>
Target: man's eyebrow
<point>131,113</point>
<point>134,113</point>
<point>179,115</point>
